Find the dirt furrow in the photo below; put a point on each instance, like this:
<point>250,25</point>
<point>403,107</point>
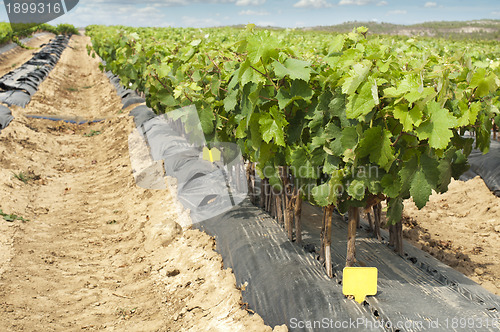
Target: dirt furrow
<point>98,252</point>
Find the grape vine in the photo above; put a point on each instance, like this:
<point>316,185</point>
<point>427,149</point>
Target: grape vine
<point>354,118</point>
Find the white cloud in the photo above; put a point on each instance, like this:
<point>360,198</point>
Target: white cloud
<point>158,3</point>
<point>355,2</point>
<point>312,4</point>
<point>495,13</point>
<point>250,2</point>
<point>397,12</point>
<point>196,22</point>
<point>253,12</point>
<point>382,3</point>
<point>93,13</point>
<point>430,4</point>
<point>146,10</point>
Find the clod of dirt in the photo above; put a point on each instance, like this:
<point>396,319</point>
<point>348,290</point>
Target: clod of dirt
<point>161,233</point>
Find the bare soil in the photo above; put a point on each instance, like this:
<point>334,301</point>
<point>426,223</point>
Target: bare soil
<point>462,229</point>
<point>97,252</point>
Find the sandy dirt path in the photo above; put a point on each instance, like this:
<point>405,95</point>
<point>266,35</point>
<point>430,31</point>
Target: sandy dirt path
<point>98,252</point>
<point>18,55</point>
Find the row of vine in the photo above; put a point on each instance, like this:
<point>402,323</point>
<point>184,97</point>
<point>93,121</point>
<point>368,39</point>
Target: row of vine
<point>348,120</point>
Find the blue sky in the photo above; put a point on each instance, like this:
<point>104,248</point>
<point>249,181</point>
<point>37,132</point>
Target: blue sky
<point>284,13</point>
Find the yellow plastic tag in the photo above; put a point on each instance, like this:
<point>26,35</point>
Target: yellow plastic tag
<point>360,282</point>
<point>211,155</point>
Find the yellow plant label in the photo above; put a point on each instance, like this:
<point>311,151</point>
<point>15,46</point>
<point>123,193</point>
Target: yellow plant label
<point>211,155</point>
<point>360,282</point>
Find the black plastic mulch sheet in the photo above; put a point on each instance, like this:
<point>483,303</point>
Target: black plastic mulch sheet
<point>18,86</point>
<point>286,284</point>
<point>487,166</point>
<point>5,117</point>
<point>128,96</point>
<point>201,185</point>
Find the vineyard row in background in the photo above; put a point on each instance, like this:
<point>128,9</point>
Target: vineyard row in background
<point>7,34</point>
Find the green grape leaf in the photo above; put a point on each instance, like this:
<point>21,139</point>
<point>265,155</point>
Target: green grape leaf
<point>437,127</point>
<point>349,138</point>
<point>391,185</point>
<point>299,90</point>
<point>408,83</point>
<point>406,174</point>
<point>336,44</point>
<point>255,134</point>
<point>332,131</point>
<point>248,73</point>
<point>331,164</point>
<point>394,210</point>
<point>360,104</point>
<point>264,155</point>
<point>317,120</point>
<point>230,101</point>
<point>262,46</point>
<point>215,85</point>
<point>241,129</point>
<point>445,173</point>
<point>356,189</point>
<point>166,98</point>
<point>327,193</point>
<point>430,167</point>
<point>420,189</point>
<point>295,128</point>
<point>482,83</point>
<point>416,95</point>
<point>247,101</point>
<point>320,194</point>
<point>459,164</point>
<point>376,143</point>
<point>374,84</point>
<point>301,165</point>
<point>272,126</point>
<point>163,70</point>
<point>207,118</point>
<point>469,115</point>
<point>293,68</point>
<point>357,75</point>
<point>483,133</point>
<point>408,118</point>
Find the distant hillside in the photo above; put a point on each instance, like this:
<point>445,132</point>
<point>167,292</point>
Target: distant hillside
<point>479,29</point>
